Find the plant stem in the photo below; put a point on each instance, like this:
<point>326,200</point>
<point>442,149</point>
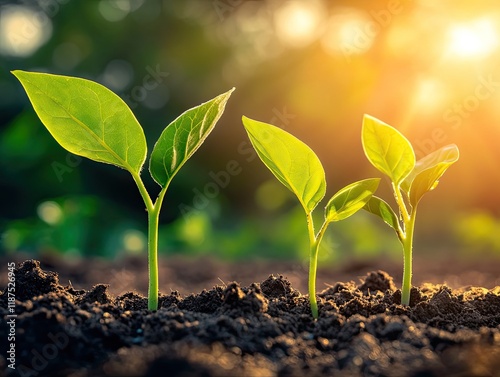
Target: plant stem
<point>401,203</point>
<point>153,220</point>
<point>314,242</point>
<point>407,255</point>
<point>313,265</point>
<point>144,193</point>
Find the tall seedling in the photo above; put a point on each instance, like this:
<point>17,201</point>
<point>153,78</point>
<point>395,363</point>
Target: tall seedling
<point>391,153</point>
<point>89,120</point>
<point>297,167</point>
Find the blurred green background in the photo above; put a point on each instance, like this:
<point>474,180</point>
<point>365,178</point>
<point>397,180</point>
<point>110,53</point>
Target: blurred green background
<point>311,67</point>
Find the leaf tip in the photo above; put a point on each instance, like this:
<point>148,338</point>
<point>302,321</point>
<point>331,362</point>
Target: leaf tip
<point>16,72</point>
<point>246,121</point>
<point>229,92</point>
<point>455,148</point>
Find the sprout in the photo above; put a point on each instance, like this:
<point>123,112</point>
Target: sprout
<point>89,120</point>
<point>391,153</point>
<point>299,169</point>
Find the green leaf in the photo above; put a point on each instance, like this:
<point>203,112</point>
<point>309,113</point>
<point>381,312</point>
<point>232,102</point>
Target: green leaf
<point>350,199</point>
<point>87,119</point>
<point>383,210</point>
<point>387,149</point>
<point>446,154</point>
<point>290,160</point>
<point>428,170</point>
<point>181,138</point>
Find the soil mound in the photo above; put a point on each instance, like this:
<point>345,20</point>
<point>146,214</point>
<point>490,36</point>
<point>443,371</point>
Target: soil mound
<point>264,329</point>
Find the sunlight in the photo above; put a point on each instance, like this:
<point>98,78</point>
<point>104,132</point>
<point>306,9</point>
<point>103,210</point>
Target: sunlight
<point>346,33</point>
<point>477,38</point>
<point>429,94</point>
<point>299,23</point>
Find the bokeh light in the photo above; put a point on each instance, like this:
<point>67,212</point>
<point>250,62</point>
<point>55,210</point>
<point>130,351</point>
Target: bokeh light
<point>271,195</point>
<point>134,241</point>
<point>22,30</point>
<point>118,75</point>
<point>474,39</point>
<point>117,10</point>
<point>346,33</point>
<point>311,67</point>
<point>50,212</point>
<point>298,23</point>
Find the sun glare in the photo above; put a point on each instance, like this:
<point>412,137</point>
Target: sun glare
<point>477,38</point>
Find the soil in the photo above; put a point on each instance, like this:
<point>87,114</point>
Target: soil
<point>256,329</point>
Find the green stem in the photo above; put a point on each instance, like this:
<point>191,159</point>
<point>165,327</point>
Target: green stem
<point>401,203</point>
<point>153,220</point>
<point>313,265</point>
<point>153,223</point>
<point>144,193</point>
<point>407,255</point>
<point>314,242</point>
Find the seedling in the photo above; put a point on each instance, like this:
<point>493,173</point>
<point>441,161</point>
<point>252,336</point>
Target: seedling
<point>300,170</point>
<point>391,153</point>
<point>89,120</point>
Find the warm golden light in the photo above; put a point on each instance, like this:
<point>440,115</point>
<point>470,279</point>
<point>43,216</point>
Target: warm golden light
<point>299,23</point>
<point>429,94</point>
<point>349,32</point>
<point>477,38</point>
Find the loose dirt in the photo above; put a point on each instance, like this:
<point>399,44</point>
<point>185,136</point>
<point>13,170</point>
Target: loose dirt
<point>260,329</point>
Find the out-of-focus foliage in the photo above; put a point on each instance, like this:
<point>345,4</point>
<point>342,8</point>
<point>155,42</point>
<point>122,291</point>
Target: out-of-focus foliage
<point>477,233</point>
<point>310,67</point>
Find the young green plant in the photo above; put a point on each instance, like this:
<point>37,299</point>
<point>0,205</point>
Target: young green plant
<point>391,153</point>
<point>89,120</point>
<point>298,168</point>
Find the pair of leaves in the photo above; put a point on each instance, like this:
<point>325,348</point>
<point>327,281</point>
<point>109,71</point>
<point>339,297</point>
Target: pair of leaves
<point>297,167</point>
<point>89,120</point>
<point>391,153</point>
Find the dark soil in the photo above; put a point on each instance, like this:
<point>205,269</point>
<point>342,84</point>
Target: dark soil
<point>263,329</point>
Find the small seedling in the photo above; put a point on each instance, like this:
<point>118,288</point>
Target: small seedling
<point>89,120</point>
<point>300,170</point>
<point>391,153</point>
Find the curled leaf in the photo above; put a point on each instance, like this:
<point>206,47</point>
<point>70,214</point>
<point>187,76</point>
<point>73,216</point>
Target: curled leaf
<point>383,210</point>
<point>428,170</point>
